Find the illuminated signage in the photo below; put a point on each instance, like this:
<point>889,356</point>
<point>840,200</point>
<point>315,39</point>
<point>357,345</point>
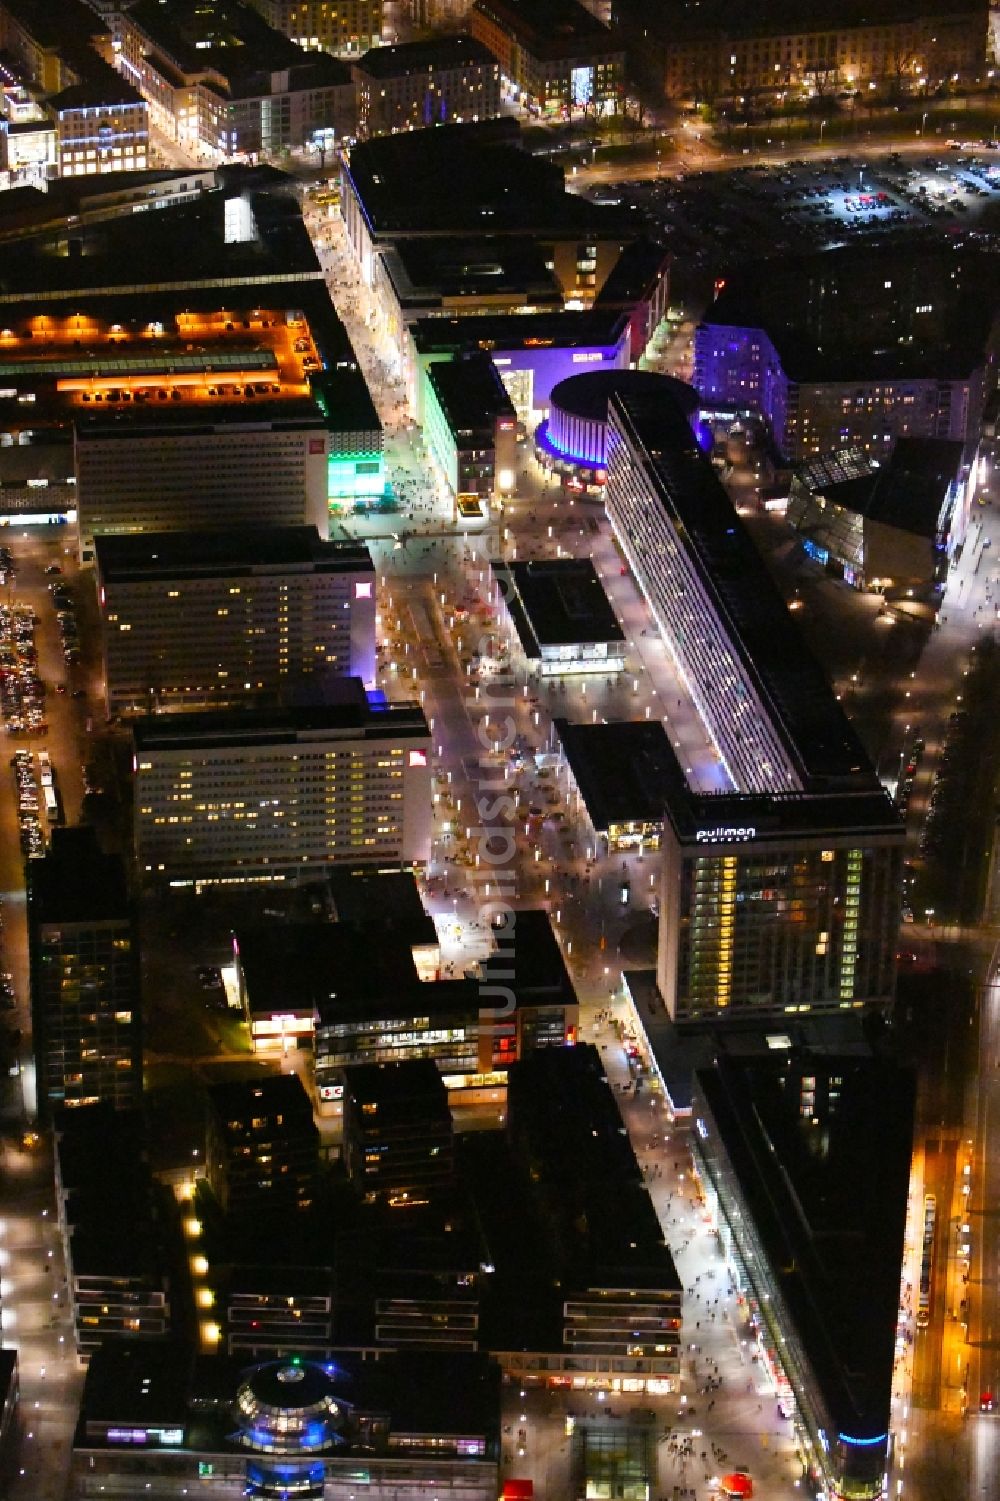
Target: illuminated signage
<point>588,357</point>
<point>363,590</point>
<point>724,835</point>
<point>418,758</point>
<point>331,1091</point>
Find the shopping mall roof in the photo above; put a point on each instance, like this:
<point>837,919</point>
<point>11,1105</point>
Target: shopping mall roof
<point>760,629</point>
<point>619,768</point>
<point>378,899</point>
<point>428,271</point>
<point>470,179</point>
<point>556,602</point>
<point>588,394</point>
<point>826,1191</point>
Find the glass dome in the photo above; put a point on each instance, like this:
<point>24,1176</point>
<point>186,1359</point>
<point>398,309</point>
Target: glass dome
<point>290,1407</point>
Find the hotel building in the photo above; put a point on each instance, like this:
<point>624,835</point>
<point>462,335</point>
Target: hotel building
<point>277,794</point>
<point>554,55</point>
<point>444,81</point>
<point>220,619</point>
<point>783,893</point>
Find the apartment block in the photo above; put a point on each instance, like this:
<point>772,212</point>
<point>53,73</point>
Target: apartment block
<point>277,794</point>
<point>445,81</point>
<point>262,1146</point>
<point>398,1142</point>
<point>219,619</point>
<point>346,29</point>
<point>554,55</point>
<point>84,975</point>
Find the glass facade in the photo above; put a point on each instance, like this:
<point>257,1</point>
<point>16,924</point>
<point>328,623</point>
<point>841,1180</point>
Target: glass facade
<point>789,927</point>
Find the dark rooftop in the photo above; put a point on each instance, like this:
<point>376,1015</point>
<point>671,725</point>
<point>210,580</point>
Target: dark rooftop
<point>75,882</point>
<point>398,1084</point>
<point>556,602</point>
<point>911,489</point>
<point>587,395</point>
<point>529,960</point>
<point>421,57</point>
<point>828,1197</point>
<point>347,708</point>
<point>619,768</point>
<point>132,1382</point>
<point>239,1099</point>
<point>499,331</point>
<point>470,179</point>
<point>472,397</point>
<point>422,270</point>
<point>636,271</point>
<point>551,28</point>
<point>148,556</point>
<point>383,899</point>
<point>850,313</point>
<point>792,686</point>
<point>564,1120</point>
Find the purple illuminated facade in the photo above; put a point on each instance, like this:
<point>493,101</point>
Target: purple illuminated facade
<point>573,439</point>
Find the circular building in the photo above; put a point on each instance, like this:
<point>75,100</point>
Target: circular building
<point>290,1407</point>
<point>574,437</point>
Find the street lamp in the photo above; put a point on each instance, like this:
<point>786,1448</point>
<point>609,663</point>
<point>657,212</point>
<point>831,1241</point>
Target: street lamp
<point>923,121</point>
<point>822,127</point>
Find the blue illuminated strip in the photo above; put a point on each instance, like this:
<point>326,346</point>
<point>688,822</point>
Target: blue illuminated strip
<point>862,1443</point>
<point>544,441</point>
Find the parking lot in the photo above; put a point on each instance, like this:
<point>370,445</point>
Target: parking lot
<point>800,206</point>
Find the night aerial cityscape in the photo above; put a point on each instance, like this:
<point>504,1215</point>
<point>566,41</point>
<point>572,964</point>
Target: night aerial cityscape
<point>500,687</point>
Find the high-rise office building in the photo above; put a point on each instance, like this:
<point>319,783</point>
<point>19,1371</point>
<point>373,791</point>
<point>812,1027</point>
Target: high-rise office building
<point>267,794</point>
<point>222,619</point>
<point>84,975</point>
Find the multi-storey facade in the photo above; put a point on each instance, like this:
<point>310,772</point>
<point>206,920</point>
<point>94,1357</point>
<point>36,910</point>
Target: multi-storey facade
<point>397,1130</point>
<point>276,794</point>
<point>740,370</point>
<point>783,893</point>
<point>556,57</point>
<point>346,29</point>
<point>218,619</point>
<point>219,80</point>
<point>99,119</point>
<point>84,976</point>
<point>181,472</point>
<point>778,905</point>
<point>262,1147</point>
<point>443,82</point>
<point>471,428</point>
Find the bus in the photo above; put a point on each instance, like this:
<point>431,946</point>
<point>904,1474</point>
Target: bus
<point>927,1263</point>
<point>53,812</point>
<point>45,769</point>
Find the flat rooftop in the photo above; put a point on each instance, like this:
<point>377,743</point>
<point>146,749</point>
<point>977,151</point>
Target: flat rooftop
<point>148,557</point>
<point>472,397</point>
<point>76,882</point>
<point>438,53</point>
<point>236,1100</point>
<point>619,769</point>
<point>347,711</point>
<point>401,1084</point>
<point>336,971</point>
<point>425,270</point>
<point>911,491</point>
<point>563,1117</point>
<point>473,179</point>
<point>377,899</point>
<point>498,332</point>
<point>556,602</point>
<point>760,629</point>
<point>828,1197</point>
<point>527,958</point>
